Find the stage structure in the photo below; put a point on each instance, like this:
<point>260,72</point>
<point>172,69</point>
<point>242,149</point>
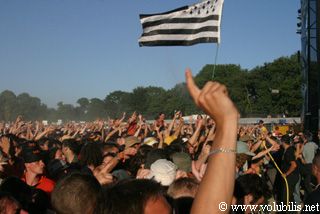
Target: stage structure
<point>309,28</point>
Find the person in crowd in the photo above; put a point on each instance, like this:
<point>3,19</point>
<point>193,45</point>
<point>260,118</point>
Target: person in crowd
<point>183,187</point>
<point>196,162</point>
<point>139,195</point>
<point>214,100</point>
<point>76,193</point>
<point>8,204</point>
<point>289,169</point>
<point>34,171</point>
<point>71,149</point>
<point>250,189</point>
<point>314,197</point>
<point>309,150</point>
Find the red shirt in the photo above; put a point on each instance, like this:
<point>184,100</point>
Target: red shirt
<point>132,128</point>
<point>44,184</point>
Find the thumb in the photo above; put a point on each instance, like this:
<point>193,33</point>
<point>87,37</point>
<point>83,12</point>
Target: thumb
<point>192,87</point>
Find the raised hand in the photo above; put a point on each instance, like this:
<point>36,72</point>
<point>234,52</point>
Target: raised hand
<point>213,99</point>
<point>220,169</point>
<point>102,174</point>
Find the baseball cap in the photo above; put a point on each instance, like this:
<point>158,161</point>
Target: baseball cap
<point>182,160</point>
<point>163,171</point>
<point>243,148</point>
<point>31,155</point>
<point>131,140</point>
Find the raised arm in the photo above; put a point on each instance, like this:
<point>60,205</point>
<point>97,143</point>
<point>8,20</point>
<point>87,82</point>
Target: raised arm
<point>194,138</point>
<point>218,182</point>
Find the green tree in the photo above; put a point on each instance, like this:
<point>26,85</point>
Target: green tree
<point>82,110</point>
<point>30,108</point>
<point>117,102</point>
<point>8,106</point>
<point>66,112</point>
<point>96,109</point>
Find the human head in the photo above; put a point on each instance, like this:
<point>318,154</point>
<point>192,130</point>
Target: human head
<point>261,122</point>
<point>150,141</point>
<point>241,159</point>
<point>285,140</point>
<point>316,166</point>
<point>161,116</point>
<point>70,147</point>
<point>91,154</point>
<point>76,193</point>
<point>19,190</point>
<point>56,169</point>
<point>163,171</point>
<point>250,189</point>
<point>182,205</point>
<point>8,204</point>
<point>33,161</point>
<point>183,187</point>
<point>182,160</point>
<point>154,155</point>
<point>309,136</point>
<point>135,196</point>
<point>110,147</point>
<point>56,153</point>
<point>44,144</point>
<point>131,141</point>
<point>243,148</point>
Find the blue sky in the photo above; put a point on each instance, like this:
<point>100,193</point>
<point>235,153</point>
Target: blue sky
<point>61,50</point>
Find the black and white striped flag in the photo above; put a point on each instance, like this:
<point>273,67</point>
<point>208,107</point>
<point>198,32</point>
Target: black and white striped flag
<point>189,25</point>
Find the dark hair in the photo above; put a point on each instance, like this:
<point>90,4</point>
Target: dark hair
<point>176,146</point>
<point>109,146</point>
<point>286,139</point>
<point>52,152</point>
<point>51,142</point>
<point>135,162</point>
<point>309,135</point>
<point>130,196</point>
<point>76,193</point>
<point>73,145</point>
<point>253,161</point>
<point>155,155</point>
<point>182,205</point>
<point>91,154</point>
<point>19,190</point>
<point>250,184</point>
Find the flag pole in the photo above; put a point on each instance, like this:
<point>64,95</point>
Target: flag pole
<point>215,61</point>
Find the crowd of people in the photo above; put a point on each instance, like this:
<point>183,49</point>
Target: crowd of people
<point>128,165</point>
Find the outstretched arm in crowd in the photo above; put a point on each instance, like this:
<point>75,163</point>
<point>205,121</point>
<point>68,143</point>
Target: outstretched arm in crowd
<point>205,150</point>
<point>110,134</point>
<point>194,139</point>
<point>168,130</point>
<point>218,182</point>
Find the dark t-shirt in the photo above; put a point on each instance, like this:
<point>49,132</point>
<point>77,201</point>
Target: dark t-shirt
<point>287,158</point>
<point>312,199</point>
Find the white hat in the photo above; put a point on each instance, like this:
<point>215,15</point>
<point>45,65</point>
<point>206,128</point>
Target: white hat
<point>150,141</point>
<point>163,171</point>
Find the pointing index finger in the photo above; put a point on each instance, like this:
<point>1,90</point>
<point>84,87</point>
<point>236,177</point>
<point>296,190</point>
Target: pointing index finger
<point>192,87</point>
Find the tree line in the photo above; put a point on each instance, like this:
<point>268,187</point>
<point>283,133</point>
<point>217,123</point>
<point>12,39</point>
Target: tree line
<point>271,89</point>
